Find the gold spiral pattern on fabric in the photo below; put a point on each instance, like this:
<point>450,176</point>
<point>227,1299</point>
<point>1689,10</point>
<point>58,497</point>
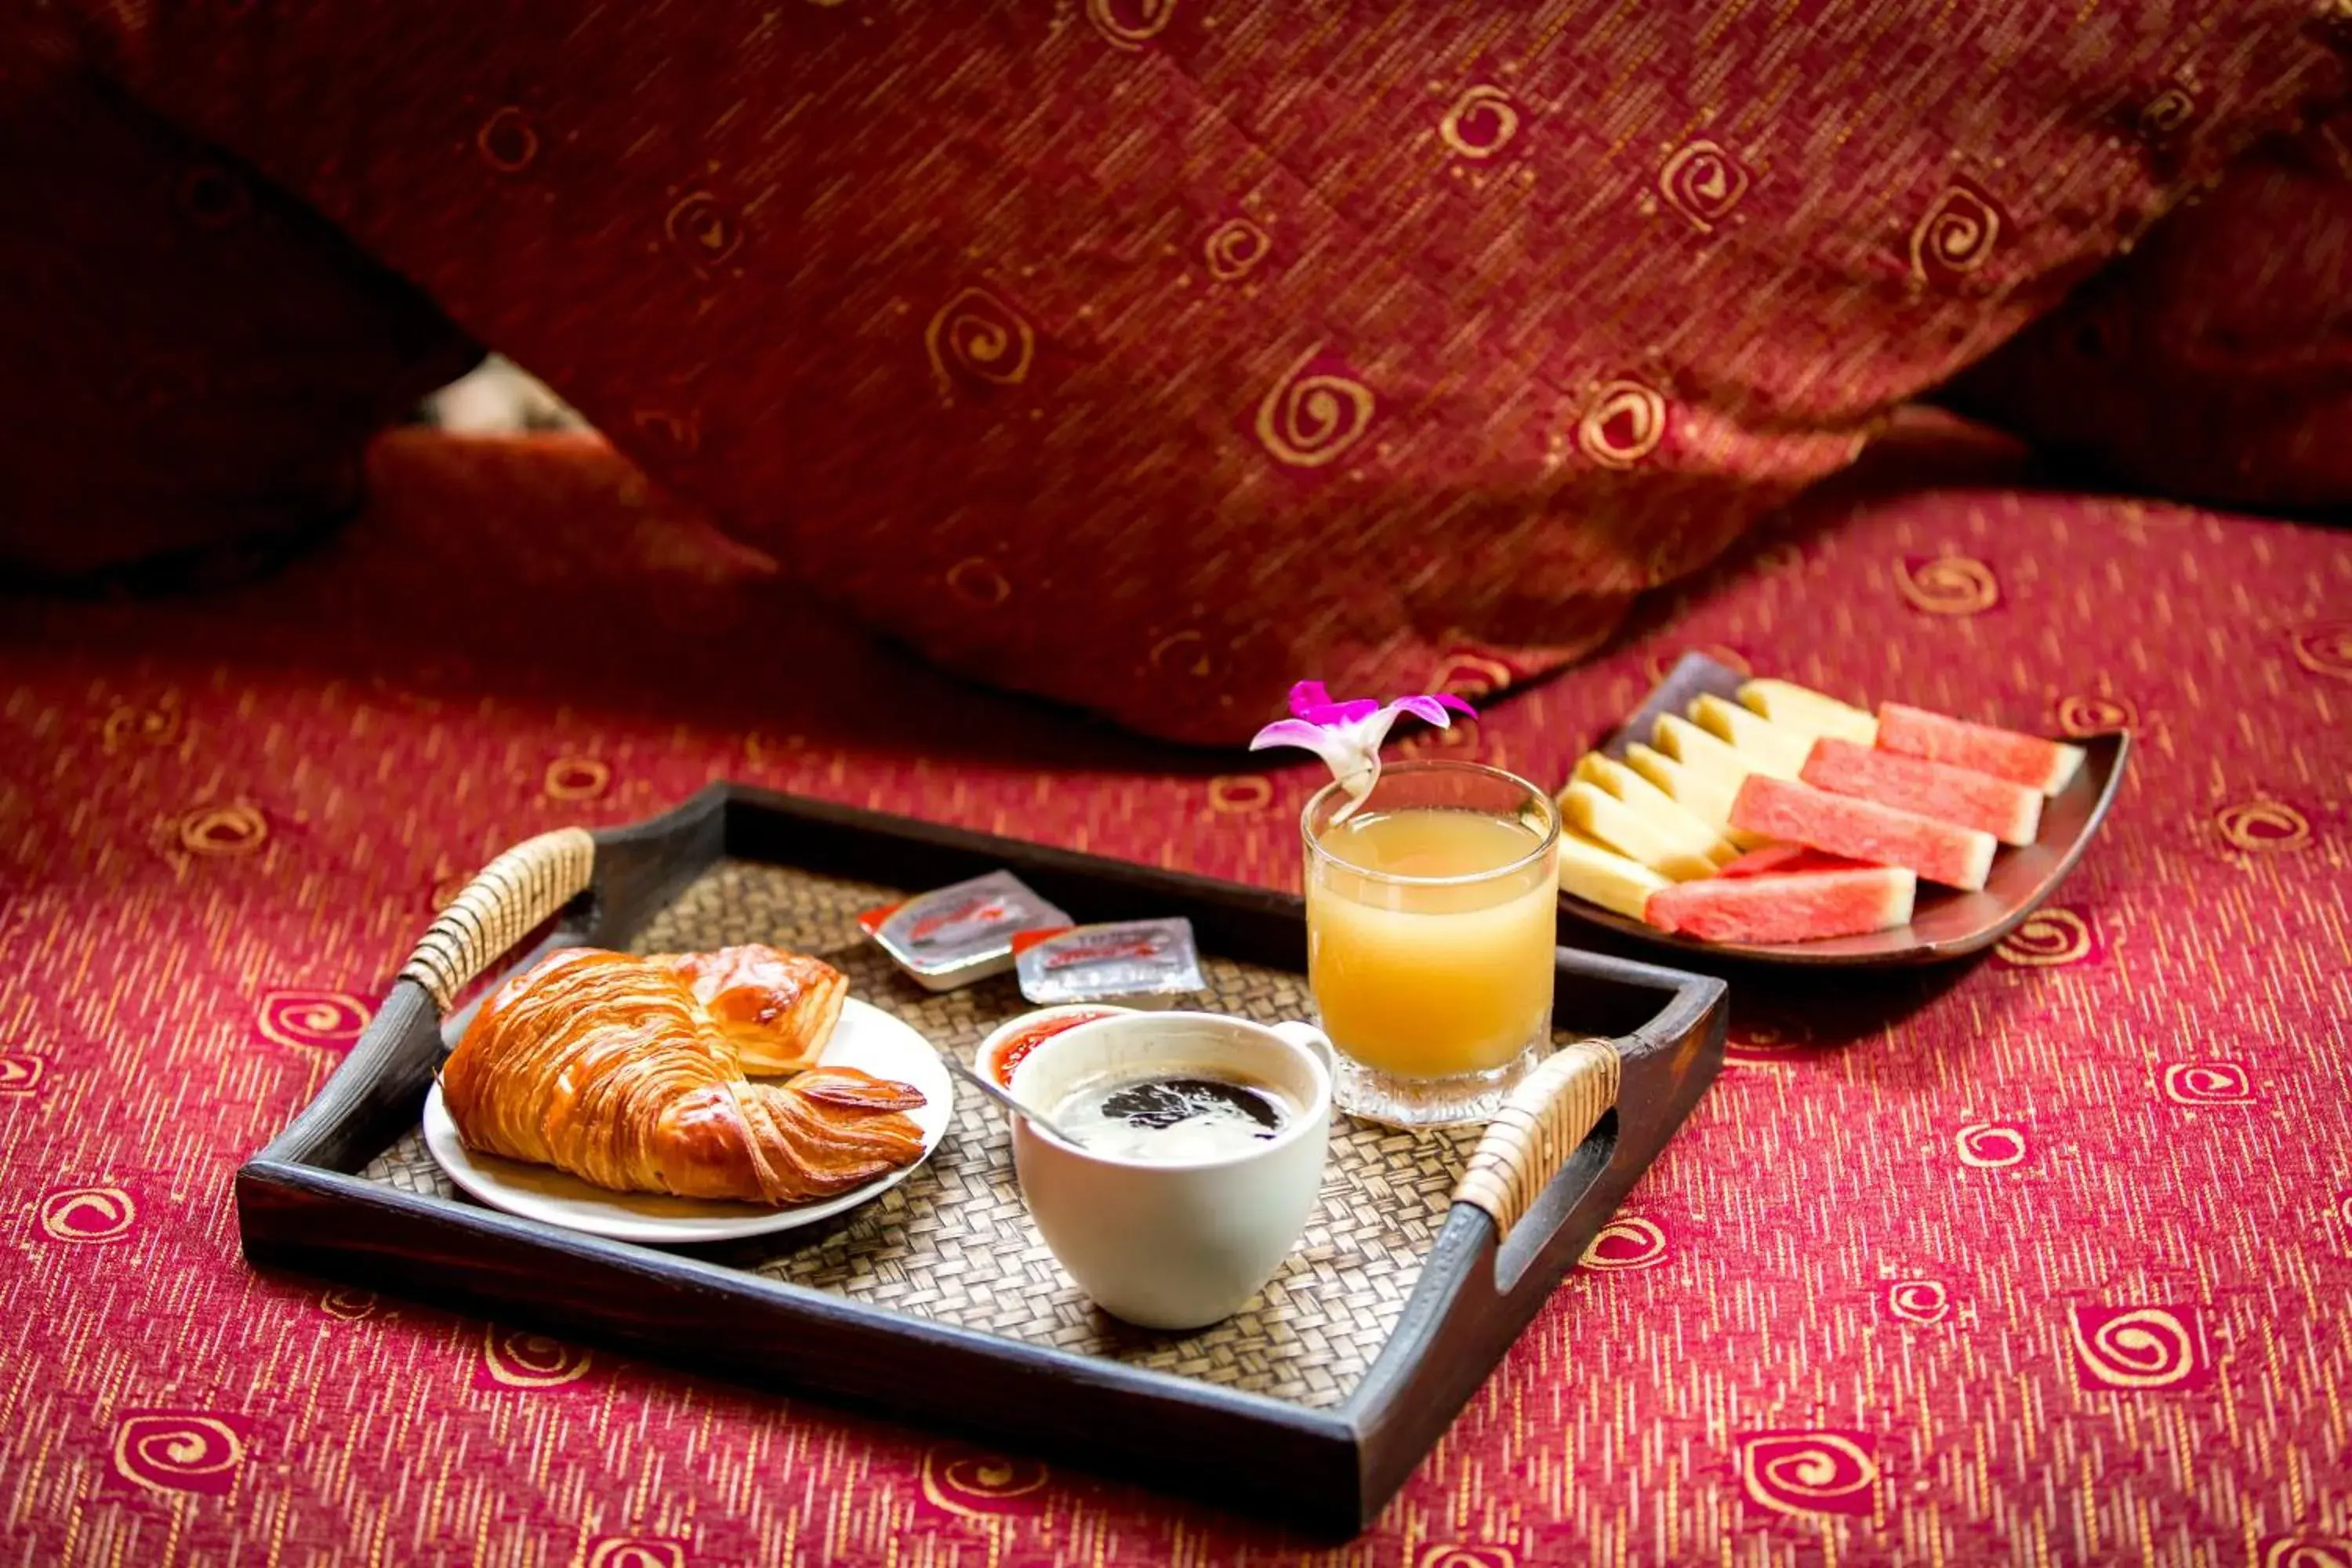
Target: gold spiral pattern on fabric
<point>2208,1083</point>
<point>224,832</point>
<point>1311,419</point>
<point>1465,1554</point>
<point>1184,653</point>
<point>1808,1472</point>
<point>156,726</point>
<point>575,778</point>
<point>1234,249</point>
<point>88,1215</point>
<point>2167,112</point>
<point>516,1358</point>
<point>1130,23</point>
<point>979,581</point>
<point>1771,1031</point>
<point>1949,585</point>
<point>2306,1551</point>
<point>1920,1300</point>
<point>1990,1145</point>
<point>1236,794</point>
<point>507,142</point>
<point>505,901</point>
<point>703,230</point>
<point>347,1302</point>
<point>1470,675</point>
<point>2148,1347</point>
<point>317,1019</point>
<point>1481,122</point>
<point>2326,650</point>
<point>1661,662</point>
<point>21,1073</point>
<point>2048,937</point>
<point>978,336</point>
<point>635,1554</point>
<point>2262,827</point>
<point>176,1451</point>
<point>1704,183</point>
<point>1623,424</point>
<point>1628,1242</point>
<point>1539,1126</point>
<point>2080,716</point>
<point>980,1485</point>
<point>1955,236</point>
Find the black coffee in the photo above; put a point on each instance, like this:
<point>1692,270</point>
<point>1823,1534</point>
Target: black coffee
<point>1177,1117</point>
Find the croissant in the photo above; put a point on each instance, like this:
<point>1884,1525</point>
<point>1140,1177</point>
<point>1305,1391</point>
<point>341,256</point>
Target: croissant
<point>611,1068</point>
<point>778,1009</point>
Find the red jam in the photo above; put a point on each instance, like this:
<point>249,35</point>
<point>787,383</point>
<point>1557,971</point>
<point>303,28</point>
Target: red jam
<point>1017,1047</point>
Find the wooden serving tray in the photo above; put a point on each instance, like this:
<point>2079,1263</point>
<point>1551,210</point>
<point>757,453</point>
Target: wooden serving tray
<point>936,1301</point>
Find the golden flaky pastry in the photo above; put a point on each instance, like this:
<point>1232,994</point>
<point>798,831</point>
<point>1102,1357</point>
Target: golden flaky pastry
<point>613,1068</point>
<point>778,1009</point>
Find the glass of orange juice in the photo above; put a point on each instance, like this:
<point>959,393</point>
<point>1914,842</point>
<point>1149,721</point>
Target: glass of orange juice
<point>1430,938</point>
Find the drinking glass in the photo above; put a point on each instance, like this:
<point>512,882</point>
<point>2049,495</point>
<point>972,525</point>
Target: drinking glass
<point>1430,938</point>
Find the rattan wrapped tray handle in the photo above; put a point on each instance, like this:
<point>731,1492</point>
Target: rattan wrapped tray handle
<point>506,899</point>
<point>1537,1129</point>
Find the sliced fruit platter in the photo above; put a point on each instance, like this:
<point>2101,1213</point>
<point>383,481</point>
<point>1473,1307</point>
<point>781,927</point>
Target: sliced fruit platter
<point>1757,818</point>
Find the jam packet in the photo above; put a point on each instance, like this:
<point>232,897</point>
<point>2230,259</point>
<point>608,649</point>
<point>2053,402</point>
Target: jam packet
<point>956,934</point>
<point>1141,963</point>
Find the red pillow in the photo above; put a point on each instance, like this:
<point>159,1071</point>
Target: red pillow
<point>2215,363</point>
<point>194,361</point>
<point>1153,354</point>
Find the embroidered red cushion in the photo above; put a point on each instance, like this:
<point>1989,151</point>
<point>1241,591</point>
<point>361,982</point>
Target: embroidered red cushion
<point>2216,361</point>
<point>195,360</point>
<point>1152,354</point>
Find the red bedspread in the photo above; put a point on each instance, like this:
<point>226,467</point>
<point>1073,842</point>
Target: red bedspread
<point>2042,1260</point>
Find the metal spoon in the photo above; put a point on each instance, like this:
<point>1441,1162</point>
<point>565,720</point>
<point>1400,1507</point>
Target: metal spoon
<point>1003,1096</point>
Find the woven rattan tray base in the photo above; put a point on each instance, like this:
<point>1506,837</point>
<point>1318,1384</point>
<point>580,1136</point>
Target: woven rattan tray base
<point>954,1243</point>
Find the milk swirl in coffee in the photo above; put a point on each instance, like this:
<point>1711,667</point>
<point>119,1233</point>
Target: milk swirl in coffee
<point>1174,1116</point>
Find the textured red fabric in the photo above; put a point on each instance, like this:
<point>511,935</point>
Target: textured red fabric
<point>2041,1260</point>
<point>1150,353</point>
<point>2216,361</point>
<point>194,361</point>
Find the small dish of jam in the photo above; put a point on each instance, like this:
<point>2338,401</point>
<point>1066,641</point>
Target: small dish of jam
<point>1004,1049</point>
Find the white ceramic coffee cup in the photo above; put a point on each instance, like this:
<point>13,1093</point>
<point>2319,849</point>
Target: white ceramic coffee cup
<point>1183,1244</point>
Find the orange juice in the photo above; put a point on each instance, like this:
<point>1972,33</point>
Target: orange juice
<point>1424,978</point>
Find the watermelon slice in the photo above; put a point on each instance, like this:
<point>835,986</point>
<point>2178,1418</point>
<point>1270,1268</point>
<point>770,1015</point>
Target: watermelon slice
<point>1864,830</point>
<point>1786,858</point>
<point>2029,760</point>
<point>1797,906</point>
<point>2009,812</point>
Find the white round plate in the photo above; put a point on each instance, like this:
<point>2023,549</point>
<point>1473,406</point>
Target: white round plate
<point>866,1037</point>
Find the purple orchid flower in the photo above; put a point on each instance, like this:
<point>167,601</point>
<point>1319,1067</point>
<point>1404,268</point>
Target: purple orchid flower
<point>1348,735</point>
